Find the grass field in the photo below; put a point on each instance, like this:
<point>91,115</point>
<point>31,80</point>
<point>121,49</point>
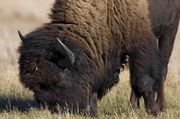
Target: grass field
<point>16,102</point>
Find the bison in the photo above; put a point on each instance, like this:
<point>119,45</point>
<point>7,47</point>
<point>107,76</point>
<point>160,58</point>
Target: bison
<point>72,61</point>
<point>164,18</point>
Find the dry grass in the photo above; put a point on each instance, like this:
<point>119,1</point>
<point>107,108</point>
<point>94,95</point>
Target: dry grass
<point>16,102</point>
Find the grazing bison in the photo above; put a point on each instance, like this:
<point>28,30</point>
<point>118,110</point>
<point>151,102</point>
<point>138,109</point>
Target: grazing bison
<point>164,16</point>
<point>73,60</point>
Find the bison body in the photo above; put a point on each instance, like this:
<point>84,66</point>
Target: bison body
<point>71,61</point>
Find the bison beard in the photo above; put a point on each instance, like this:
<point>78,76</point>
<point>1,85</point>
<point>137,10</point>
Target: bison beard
<point>76,70</point>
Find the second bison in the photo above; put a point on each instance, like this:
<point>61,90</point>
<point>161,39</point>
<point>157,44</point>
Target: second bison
<point>164,18</point>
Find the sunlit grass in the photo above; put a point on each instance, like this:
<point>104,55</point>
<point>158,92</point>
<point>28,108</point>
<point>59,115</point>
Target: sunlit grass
<point>18,102</point>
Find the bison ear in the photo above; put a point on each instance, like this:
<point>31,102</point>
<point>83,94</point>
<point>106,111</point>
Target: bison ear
<point>21,36</point>
<point>70,55</point>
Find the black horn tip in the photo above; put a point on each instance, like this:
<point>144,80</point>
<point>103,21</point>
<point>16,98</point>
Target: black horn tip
<point>21,36</point>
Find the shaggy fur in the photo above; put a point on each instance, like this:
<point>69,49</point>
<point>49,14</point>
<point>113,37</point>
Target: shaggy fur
<point>99,33</point>
<point>164,16</point>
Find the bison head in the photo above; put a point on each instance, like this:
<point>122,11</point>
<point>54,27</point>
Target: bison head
<point>60,77</point>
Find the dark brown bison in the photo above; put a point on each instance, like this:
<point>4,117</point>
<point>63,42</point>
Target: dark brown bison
<point>164,16</point>
<point>73,60</point>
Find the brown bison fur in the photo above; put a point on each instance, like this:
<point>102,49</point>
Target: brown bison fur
<point>164,16</point>
<point>99,33</point>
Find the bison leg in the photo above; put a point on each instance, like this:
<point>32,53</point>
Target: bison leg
<point>166,42</point>
<point>92,107</point>
<point>134,100</point>
<point>145,71</point>
<point>160,97</point>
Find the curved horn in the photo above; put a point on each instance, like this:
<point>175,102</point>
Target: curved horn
<point>68,51</point>
<point>21,36</point>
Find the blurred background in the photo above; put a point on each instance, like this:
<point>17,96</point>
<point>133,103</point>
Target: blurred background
<point>26,15</point>
<point>23,15</point>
